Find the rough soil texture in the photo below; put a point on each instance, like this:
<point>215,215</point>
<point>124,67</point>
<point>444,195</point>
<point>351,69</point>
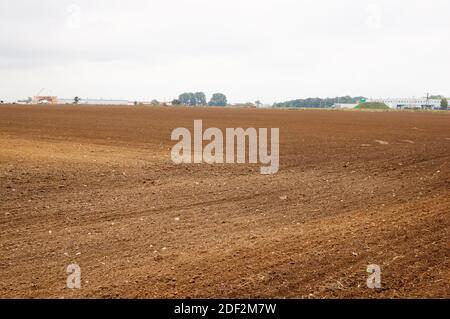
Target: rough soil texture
<point>96,186</point>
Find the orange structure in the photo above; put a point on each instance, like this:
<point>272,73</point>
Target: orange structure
<point>45,100</point>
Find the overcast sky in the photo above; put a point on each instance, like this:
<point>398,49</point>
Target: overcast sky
<point>274,50</point>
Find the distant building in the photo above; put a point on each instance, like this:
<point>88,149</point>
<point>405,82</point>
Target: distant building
<point>264,106</point>
<point>409,103</point>
<point>45,100</point>
<point>344,105</point>
<point>95,102</point>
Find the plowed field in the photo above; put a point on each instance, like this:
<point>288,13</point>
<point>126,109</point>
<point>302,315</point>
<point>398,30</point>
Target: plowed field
<point>95,186</point>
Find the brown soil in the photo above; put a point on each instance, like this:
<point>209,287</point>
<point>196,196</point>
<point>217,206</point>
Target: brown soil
<point>95,186</point>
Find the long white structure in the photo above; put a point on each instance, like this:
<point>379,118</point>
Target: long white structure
<point>344,105</point>
<point>409,103</point>
<point>95,101</point>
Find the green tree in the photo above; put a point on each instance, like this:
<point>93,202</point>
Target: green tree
<point>192,99</point>
<point>444,104</point>
<point>76,100</point>
<point>184,99</point>
<point>188,99</point>
<point>218,99</point>
<point>200,98</point>
<point>319,103</point>
<point>176,102</point>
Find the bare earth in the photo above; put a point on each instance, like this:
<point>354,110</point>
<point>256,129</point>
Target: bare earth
<point>95,186</point>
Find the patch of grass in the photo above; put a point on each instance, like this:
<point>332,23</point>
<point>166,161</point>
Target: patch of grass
<point>372,106</point>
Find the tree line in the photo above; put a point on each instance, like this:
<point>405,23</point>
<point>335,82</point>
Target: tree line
<point>219,99</point>
<point>199,99</point>
<point>444,101</point>
<point>320,103</point>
